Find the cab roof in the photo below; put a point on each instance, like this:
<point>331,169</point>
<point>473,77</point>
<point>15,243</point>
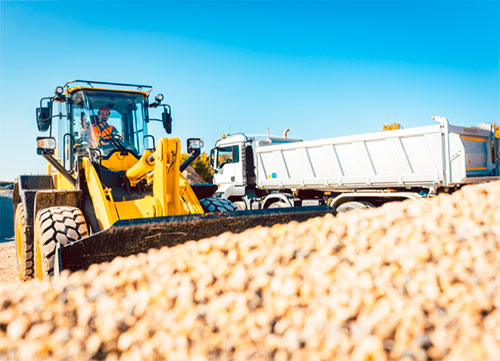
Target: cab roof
<point>97,85</point>
<point>76,88</point>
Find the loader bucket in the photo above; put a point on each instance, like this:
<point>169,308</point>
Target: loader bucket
<point>127,237</point>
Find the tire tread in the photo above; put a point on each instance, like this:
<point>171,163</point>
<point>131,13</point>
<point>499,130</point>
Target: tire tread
<point>217,205</point>
<point>67,225</point>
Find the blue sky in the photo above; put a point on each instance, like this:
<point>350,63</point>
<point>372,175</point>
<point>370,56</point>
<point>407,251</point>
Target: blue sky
<point>321,68</point>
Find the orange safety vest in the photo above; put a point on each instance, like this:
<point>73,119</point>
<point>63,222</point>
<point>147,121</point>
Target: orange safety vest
<point>99,133</point>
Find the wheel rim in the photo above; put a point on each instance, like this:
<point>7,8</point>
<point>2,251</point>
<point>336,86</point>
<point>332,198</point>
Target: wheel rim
<point>38,261</point>
<point>19,248</point>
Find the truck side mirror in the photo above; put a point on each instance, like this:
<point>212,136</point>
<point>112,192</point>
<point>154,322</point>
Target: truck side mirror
<point>212,158</point>
<point>43,117</point>
<point>167,121</point>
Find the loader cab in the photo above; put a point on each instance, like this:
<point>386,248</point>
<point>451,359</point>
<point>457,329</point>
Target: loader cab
<point>102,121</point>
<point>119,138</point>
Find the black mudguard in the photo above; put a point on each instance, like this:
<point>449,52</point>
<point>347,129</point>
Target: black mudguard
<point>127,237</point>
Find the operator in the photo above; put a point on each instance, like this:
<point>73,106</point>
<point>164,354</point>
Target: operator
<point>102,132</point>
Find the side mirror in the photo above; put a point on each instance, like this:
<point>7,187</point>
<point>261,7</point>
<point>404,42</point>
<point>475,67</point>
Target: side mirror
<point>194,144</point>
<point>167,121</point>
<point>211,160</point>
<point>43,117</point>
<point>45,145</point>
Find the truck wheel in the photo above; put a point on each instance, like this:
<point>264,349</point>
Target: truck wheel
<point>211,205</point>
<point>240,205</point>
<point>278,204</point>
<point>55,227</point>
<point>349,206</point>
<point>24,246</point>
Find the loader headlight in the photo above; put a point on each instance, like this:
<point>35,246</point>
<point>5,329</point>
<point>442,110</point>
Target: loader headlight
<point>159,98</point>
<point>59,90</point>
<point>45,145</point>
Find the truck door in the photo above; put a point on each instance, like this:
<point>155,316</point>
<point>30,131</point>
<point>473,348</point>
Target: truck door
<point>229,168</point>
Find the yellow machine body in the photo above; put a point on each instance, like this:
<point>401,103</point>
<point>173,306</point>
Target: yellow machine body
<point>109,192</point>
<point>172,194</point>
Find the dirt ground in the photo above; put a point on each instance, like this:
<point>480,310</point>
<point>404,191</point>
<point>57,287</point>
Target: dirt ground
<point>8,262</point>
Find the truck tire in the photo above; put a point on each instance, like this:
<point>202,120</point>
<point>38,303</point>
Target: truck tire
<point>55,227</point>
<point>349,206</point>
<point>240,205</point>
<point>278,204</point>
<point>212,205</point>
<point>24,246</point>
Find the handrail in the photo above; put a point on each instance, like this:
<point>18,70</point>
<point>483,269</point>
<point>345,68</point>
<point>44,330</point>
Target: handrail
<point>90,82</point>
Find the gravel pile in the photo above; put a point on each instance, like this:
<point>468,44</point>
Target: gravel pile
<point>418,280</point>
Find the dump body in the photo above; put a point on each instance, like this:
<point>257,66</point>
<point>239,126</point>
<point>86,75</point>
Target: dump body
<point>434,156</point>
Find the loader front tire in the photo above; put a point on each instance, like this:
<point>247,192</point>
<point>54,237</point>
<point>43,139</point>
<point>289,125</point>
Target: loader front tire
<point>349,206</point>
<point>214,205</point>
<point>24,246</point>
<point>55,227</point>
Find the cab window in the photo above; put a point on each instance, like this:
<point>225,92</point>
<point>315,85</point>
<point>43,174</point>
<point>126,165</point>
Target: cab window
<point>226,155</point>
<point>127,117</point>
<point>115,119</point>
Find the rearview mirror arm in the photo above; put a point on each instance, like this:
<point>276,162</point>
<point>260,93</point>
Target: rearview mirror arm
<point>195,153</point>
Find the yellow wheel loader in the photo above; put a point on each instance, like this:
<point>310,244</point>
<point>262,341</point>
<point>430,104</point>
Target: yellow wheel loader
<point>111,188</point>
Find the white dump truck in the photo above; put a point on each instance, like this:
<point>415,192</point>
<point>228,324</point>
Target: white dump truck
<point>359,171</point>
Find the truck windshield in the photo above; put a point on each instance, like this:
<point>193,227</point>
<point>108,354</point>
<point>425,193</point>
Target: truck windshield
<point>109,120</point>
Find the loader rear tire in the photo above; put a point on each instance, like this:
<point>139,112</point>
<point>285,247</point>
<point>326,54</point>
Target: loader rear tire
<point>220,205</point>
<point>349,206</point>
<point>55,227</point>
<point>24,246</point>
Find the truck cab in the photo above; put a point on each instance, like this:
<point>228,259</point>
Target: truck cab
<point>233,162</point>
<point>233,167</point>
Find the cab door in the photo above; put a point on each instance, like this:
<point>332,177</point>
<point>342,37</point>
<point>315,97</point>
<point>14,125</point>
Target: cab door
<point>229,168</point>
